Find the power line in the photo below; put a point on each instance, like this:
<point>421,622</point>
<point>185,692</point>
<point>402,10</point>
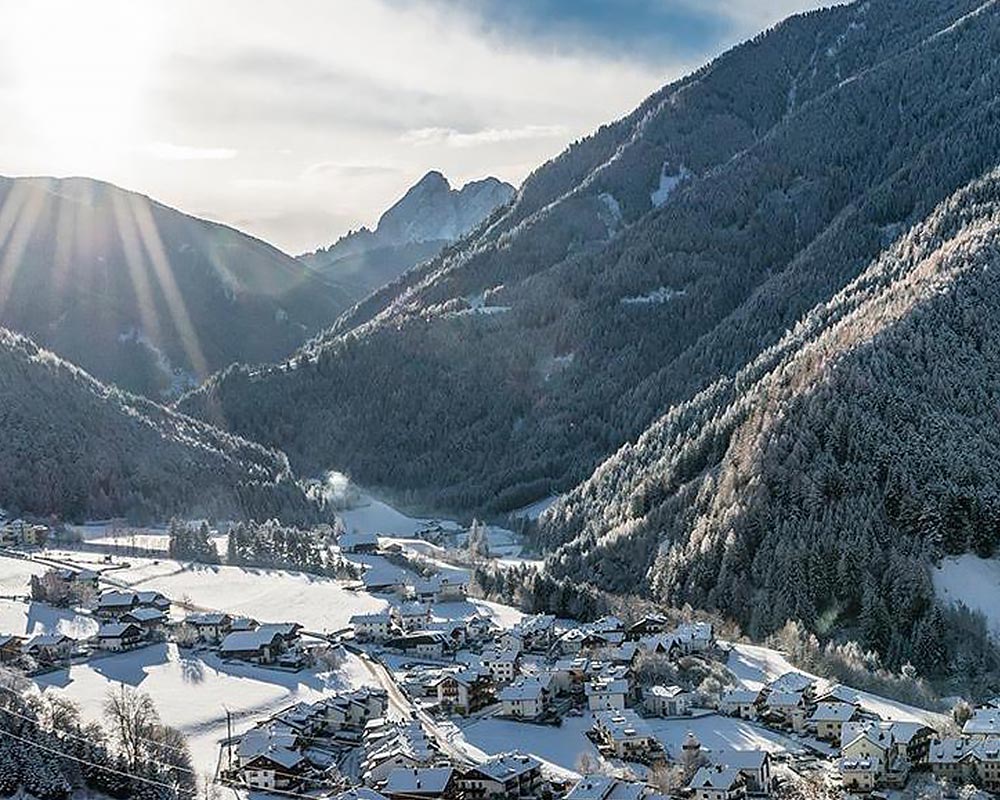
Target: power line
<point>140,738</point>
<point>62,754</point>
<point>69,735</point>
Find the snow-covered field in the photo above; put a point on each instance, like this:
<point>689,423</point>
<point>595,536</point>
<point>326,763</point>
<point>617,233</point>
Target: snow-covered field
<point>717,732</point>
<point>31,619</point>
<point>193,690</point>
<point>15,575</point>
<point>126,538</point>
<point>267,595</point>
<point>974,582</point>
<point>559,747</point>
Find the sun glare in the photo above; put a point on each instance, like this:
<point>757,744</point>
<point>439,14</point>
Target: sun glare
<point>79,71</point>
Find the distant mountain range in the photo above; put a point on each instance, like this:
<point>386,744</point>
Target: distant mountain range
<point>754,323</point>
<point>142,295</point>
<point>428,218</point>
<point>74,447</point>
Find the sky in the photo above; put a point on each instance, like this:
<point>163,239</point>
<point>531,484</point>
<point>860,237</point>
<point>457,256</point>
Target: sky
<point>297,120</point>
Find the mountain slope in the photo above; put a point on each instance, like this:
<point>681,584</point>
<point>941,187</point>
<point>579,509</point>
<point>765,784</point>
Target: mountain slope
<point>142,295</point>
<point>818,482</point>
<point>429,217</point>
<point>74,447</point>
<point>646,262</point>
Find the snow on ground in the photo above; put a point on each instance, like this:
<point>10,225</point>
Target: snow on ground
<point>15,575</point>
<point>669,181</point>
<point>536,509</point>
<point>754,665</point>
<point>31,619</point>
<point>315,602</point>
<point>559,747</point>
<point>374,516</point>
<point>717,732</point>
<point>973,581</point>
<point>140,538</point>
<point>193,690</point>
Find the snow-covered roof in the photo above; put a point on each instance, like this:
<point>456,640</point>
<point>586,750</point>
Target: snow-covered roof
<point>785,699</point>
<point>248,641</point>
<point>47,640</point>
<point>622,725</point>
<point>146,614</point>
<point>716,778</point>
<point>206,618</point>
<point>115,630</point>
<point>604,787</point>
<point>740,696</point>
<point>740,759</point>
<point>116,599</point>
<point>522,690</point>
<point>601,686</point>
<point>431,781</point>
<point>833,712</point>
<point>667,691</point>
<point>505,766</point>
<point>983,722</point>
<point>791,682</point>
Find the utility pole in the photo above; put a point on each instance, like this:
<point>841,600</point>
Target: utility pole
<point>229,739</point>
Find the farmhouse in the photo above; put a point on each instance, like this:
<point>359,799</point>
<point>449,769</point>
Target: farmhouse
<point>465,691</point>
<point>668,701</point>
<point>117,637</point>
<point>510,775</point>
<point>828,718</point>
<point>211,627</point>
<point>372,627</point>
<point>717,783</point>
<point>741,703</point>
<point>262,646</point>
<point>50,648</point>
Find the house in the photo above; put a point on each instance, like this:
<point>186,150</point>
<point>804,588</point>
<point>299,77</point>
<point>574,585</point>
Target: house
<point>465,691</point>
<point>536,632</point>
<point>786,708</point>
<point>411,616</point>
<point>50,648</point>
<point>695,637</point>
<point>624,734</point>
<point>210,626</point>
<point>11,648</point>
<point>828,719</point>
<point>155,600</point>
<point>358,542</point>
<point>444,588</point>
<point>510,775</point>
<point>117,637</point>
<point>151,620</point>
<point>372,627</point>
<point>963,761</point>
<point>717,783</point>
<point>269,759</point>
<point>502,663</point>
<point>605,787</point>
<point>526,698</point>
<point>858,774</point>
<point>389,747</point>
<point>741,703</point>
<point>649,625</point>
<point>794,682</point>
<point>429,644</point>
<point>887,749</point>
<point>421,783</point>
<point>262,646</point>
<point>112,604</point>
<point>668,701</point>
<point>603,693</point>
<point>569,674</point>
<point>983,724</point>
<point>753,765</point>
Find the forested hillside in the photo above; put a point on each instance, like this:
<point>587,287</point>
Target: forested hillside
<point>663,253</point>
<point>820,481</point>
<point>73,447</point>
<point>144,296</point>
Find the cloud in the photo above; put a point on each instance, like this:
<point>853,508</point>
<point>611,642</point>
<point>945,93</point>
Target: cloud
<point>454,138</point>
<point>167,151</point>
<point>339,169</point>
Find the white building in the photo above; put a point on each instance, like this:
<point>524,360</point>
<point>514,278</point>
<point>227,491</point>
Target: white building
<point>606,694</point>
<point>624,734</point>
<point>668,701</point>
<point>526,698</point>
<point>372,627</point>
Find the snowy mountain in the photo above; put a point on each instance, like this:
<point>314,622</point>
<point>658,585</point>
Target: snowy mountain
<point>74,447</point>
<point>144,296</point>
<point>753,320</point>
<point>429,217</point>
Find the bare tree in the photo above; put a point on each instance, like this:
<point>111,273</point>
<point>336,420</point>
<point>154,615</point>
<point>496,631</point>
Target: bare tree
<point>133,719</point>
